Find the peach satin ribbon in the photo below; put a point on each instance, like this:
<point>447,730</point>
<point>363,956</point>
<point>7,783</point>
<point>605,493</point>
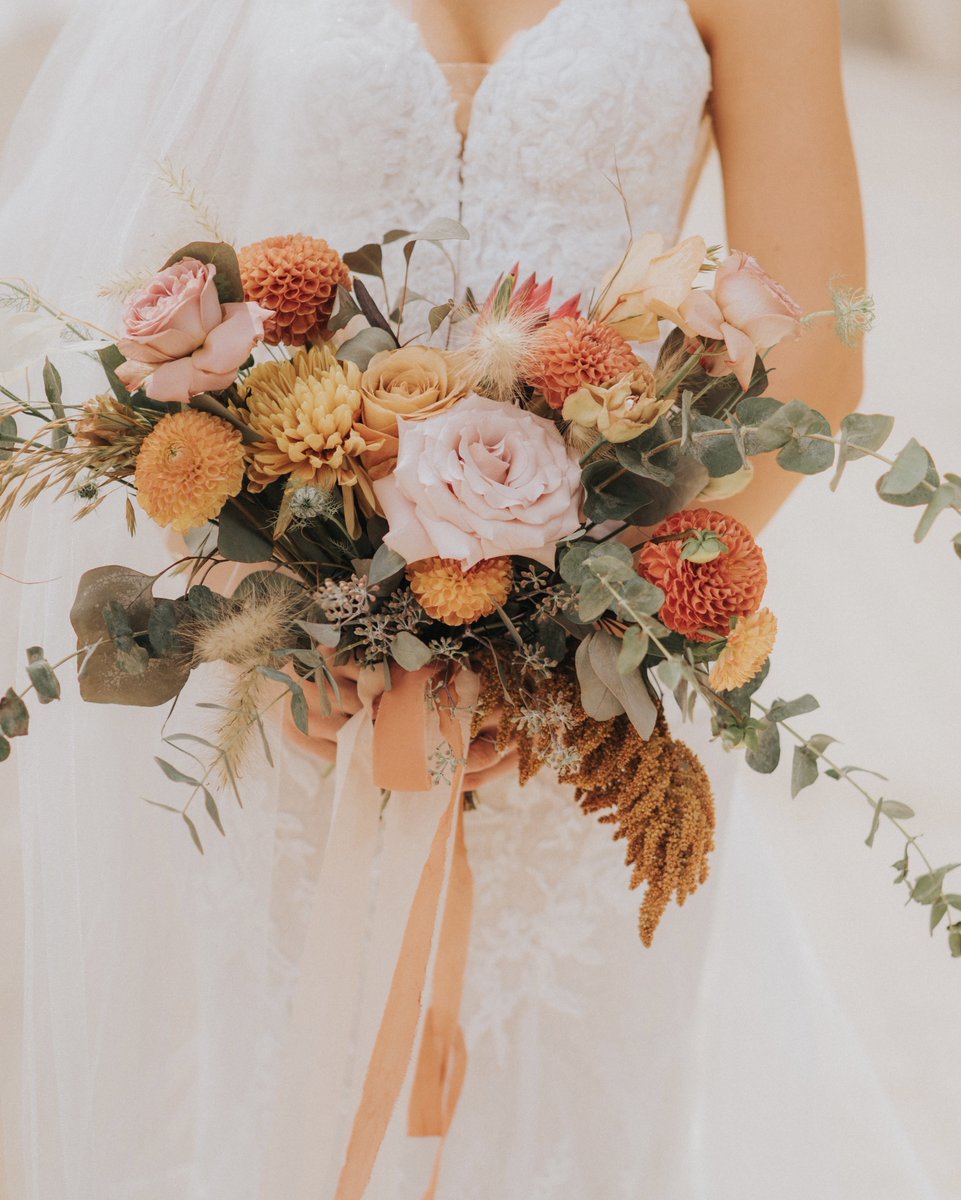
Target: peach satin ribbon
<point>388,744</point>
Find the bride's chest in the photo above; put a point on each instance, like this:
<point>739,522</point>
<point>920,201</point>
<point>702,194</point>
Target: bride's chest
<point>592,91</point>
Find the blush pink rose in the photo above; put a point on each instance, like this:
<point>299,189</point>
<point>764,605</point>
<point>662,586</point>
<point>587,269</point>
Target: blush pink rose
<point>179,340</point>
<point>747,310</point>
<point>481,480</point>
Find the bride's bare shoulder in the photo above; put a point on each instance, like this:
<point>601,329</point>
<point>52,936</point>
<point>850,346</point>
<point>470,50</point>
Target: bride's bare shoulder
<point>761,19</point>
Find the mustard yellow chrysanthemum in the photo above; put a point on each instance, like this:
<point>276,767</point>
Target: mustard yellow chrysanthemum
<point>306,414</point>
<point>450,594</point>
<point>749,645</point>
<point>189,465</point>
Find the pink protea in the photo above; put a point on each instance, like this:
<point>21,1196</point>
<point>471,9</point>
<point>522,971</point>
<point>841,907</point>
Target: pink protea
<point>502,343</point>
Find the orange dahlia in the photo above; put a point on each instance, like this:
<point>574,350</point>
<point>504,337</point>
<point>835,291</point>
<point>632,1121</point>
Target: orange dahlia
<point>297,278</point>
<point>749,645</point>
<point>571,352</point>
<point>188,467</point>
<point>450,594</point>
<point>702,597</point>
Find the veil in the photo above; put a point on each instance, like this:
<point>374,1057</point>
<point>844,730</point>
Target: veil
<point>144,988</point>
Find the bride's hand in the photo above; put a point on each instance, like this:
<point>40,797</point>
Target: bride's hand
<point>484,761</point>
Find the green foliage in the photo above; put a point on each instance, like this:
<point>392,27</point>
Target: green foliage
<point>14,718</point>
<point>8,437</point>
<point>911,479</point>
<point>230,288</point>
<point>409,652</point>
<point>804,769</point>
<point>238,541</point>
<point>53,388</point>
<point>42,676</point>
<point>361,348</point>
<point>861,433</point>
<point>299,708</point>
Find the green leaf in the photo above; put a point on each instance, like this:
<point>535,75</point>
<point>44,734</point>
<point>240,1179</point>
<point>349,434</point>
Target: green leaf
<point>776,430</point>
<point>860,433</point>
<point>162,628</point>
<point>938,913</point>
<point>804,454</point>
<point>385,564</point>
<point>174,773</point>
<point>410,652</point>
<point>321,634</point>
<point>441,229</point>
<point>755,410</point>
<point>804,770</point>
<point>634,648</point>
<point>659,468</point>
<point>953,899</point>
<point>597,699</point>
<point>299,708</point>
<point>784,710</point>
<point>347,308</point>
<point>42,676</point>
<point>14,718</point>
<point>53,387</point>
<point>615,567</point>
<point>637,597</point>
<point>613,493</point>
<point>111,358</point>
<point>819,742</point>
<point>195,836</point>
<point>239,541</point>
<point>230,288</point>
<point>361,348</point>
<point>910,469</point>
<point>8,435</point>
<point>439,314</point>
<point>927,888</point>
<point>766,757</point>
<point>368,260</point>
<point>593,599</point>
<point>954,941</point>
<point>956,543</point>
<point>717,451</point>
<point>4,749</point>
<point>948,494</point>
<point>213,812</point>
<point>204,402</point>
<point>897,810</point>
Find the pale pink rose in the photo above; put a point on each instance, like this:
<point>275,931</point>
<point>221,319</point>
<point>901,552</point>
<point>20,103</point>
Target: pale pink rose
<point>179,340</point>
<point>481,480</point>
<point>747,310</point>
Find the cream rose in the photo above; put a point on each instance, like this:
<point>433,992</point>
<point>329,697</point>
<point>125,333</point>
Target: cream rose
<point>483,480</point>
<point>179,340</point>
<point>650,284</point>
<point>747,310</point>
<point>412,383</point>
<point>620,411</point>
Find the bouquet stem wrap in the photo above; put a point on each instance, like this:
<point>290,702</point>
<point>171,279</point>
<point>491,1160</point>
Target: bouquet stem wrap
<point>424,870</point>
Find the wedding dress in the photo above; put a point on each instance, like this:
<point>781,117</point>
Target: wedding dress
<point>149,1001</point>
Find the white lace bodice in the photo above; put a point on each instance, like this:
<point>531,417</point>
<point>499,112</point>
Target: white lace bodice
<point>591,94</point>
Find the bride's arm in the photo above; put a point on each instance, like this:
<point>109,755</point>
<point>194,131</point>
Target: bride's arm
<point>791,191</point>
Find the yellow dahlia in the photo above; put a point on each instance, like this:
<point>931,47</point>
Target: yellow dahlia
<point>307,416</point>
<point>187,468</point>
<point>297,278</point>
<point>571,352</point>
<point>749,645</point>
<point>450,594</point>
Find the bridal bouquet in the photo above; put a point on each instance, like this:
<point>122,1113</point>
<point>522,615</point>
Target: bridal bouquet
<point>501,515</point>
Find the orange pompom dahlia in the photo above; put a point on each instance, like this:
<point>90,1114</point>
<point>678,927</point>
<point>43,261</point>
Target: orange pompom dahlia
<point>188,467</point>
<point>570,352</point>
<point>702,597</point>
<point>749,646</point>
<point>297,278</point>
<point>450,594</point>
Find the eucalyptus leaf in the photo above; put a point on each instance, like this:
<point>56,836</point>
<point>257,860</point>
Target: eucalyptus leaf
<point>613,494</point>
<point>715,446</point>
<point>410,652</point>
<point>784,710</point>
<point>597,699</point>
<point>385,564</point>
<point>321,634</point>
<point>347,308</point>
<point>4,749</point>
<point>162,628</point>
<point>611,566</point>
<point>755,410</point>
<point>946,496</point>
<point>634,647</point>
<point>909,470</point>
<point>14,718</point>
<point>361,348</point>
<point>439,314</point>
<point>928,887</point>
<point>593,600</point>
<point>42,676</point>
<point>441,229</point>
<point>766,756</point>
<point>956,543</point>
<point>804,770</point>
<point>102,680</point>
<point>897,810</point>
<point>860,433</point>
<point>806,454</point>
<point>954,941</point>
<point>230,288</point>
<point>637,597</point>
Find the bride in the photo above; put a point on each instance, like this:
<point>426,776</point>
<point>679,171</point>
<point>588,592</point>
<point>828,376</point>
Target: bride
<point>150,1001</point>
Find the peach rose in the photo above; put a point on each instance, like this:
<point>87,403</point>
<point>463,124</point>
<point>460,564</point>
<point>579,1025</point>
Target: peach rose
<point>746,310</point>
<point>484,480</point>
<point>412,383</point>
<point>179,340</point>
<point>622,410</point>
<point>649,285</point>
